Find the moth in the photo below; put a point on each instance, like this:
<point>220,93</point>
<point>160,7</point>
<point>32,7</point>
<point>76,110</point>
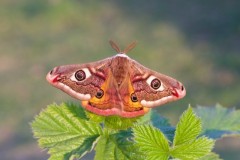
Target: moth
<point>117,85</point>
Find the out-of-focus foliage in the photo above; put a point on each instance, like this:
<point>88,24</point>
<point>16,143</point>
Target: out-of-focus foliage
<point>219,121</point>
<point>196,42</point>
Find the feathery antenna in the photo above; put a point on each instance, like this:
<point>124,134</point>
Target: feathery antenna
<point>126,50</point>
<point>115,46</point>
<point>130,47</point>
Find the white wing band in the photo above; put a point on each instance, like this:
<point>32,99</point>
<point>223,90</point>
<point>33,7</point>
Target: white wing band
<point>158,102</point>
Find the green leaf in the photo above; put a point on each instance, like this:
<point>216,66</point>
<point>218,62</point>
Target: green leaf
<point>153,118</point>
<point>219,121</point>
<point>211,156</point>
<point>151,141</point>
<point>188,128</point>
<point>64,130</point>
<point>194,149</point>
<point>186,144</point>
<point>114,122</point>
<point>86,146</point>
<point>76,110</point>
<point>116,147</point>
<point>95,118</point>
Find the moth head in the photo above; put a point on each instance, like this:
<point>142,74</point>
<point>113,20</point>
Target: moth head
<point>69,79</point>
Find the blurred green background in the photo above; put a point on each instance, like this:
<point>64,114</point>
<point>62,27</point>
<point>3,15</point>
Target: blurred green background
<point>197,42</point>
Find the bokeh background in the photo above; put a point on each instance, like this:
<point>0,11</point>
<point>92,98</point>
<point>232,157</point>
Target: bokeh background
<point>197,42</point>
